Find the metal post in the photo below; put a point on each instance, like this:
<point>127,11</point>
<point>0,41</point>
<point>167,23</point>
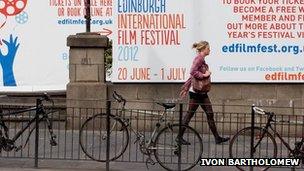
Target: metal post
<point>108,135</point>
<point>180,133</point>
<point>88,15</point>
<point>38,103</point>
<point>252,135</point>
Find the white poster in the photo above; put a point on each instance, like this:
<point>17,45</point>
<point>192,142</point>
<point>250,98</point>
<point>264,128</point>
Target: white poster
<point>34,55</point>
<point>251,40</point>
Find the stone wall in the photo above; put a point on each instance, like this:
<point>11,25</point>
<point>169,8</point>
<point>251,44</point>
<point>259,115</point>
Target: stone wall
<point>235,97</point>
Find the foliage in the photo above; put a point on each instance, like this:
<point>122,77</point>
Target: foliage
<point>108,58</point>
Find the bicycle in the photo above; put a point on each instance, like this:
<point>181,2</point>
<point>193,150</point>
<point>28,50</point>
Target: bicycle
<point>265,145</point>
<point>8,144</point>
<point>161,143</point>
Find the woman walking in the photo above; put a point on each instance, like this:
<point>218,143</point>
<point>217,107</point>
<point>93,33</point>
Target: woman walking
<point>199,70</point>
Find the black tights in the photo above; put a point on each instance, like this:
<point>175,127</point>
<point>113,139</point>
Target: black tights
<point>203,101</point>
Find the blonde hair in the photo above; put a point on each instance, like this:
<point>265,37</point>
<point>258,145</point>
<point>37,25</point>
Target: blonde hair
<point>200,46</point>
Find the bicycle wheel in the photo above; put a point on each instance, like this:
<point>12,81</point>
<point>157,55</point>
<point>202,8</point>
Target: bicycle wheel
<point>265,146</point>
<point>93,137</point>
<point>166,148</point>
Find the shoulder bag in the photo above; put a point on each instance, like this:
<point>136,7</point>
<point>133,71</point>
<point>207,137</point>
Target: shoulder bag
<point>201,86</point>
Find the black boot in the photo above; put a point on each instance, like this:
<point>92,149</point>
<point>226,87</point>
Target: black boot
<point>212,126</point>
<point>220,140</point>
<point>186,119</point>
<point>179,138</point>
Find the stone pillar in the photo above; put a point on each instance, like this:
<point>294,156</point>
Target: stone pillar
<point>87,88</point>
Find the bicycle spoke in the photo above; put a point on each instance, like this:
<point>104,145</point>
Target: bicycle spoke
<point>93,137</point>
<point>167,151</point>
<point>264,146</point>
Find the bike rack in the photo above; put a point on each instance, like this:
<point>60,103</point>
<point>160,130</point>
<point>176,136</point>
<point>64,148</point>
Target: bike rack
<point>38,103</point>
<point>108,106</point>
<point>252,134</point>
<point>180,132</point>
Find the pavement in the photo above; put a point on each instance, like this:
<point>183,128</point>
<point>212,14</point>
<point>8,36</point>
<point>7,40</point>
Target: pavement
<point>67,156</point>
<point>7,164</point>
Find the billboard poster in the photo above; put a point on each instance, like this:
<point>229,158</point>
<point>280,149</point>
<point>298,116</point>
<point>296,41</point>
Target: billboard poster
<point>251,40</point>
<point>34,55</point>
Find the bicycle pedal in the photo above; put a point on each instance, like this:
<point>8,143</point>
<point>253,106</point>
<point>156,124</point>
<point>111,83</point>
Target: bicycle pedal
<point>18,148</point>
<point>176,152</point>
<point>104,137</point>
<point>137,139</point>
<point>53,143</point>
<point>149,161</point>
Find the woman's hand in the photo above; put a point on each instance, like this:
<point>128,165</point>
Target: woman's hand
<point>183,94</point>
<point>207,73</point>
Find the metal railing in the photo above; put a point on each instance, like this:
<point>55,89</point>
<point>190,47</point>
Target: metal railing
<point>67,123</point>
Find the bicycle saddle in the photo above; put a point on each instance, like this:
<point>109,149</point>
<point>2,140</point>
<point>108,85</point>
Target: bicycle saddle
<point>167,105</point>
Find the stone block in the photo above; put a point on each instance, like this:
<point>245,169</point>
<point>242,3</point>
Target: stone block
<point>165,94</point>
<point>86,91</point>
<point>87,104</point>
<point>237,106</point>
<point>287,91</point>
<point>225,91</point>
<point>281,107</point>
<point>96,55</point>
<point>86,56</point>
<point>72,72</point>
<point>258,91</point>
<point>101,73</point>
<point>155,92</point>
<point>87,40</point>
<point>147,92</point>
<point>87,73</point>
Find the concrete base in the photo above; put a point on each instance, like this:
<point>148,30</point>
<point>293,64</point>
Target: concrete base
<point>86,95</point>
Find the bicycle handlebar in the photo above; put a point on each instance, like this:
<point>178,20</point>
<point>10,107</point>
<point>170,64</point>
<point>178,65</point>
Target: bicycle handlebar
<point>47,97</point>
<point>263,112</point>
<point>260,111</point>
<point>119,98</point>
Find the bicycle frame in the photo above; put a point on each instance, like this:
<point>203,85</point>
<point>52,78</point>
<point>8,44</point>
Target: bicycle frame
<point>137,133</point>
<point>39,108</point>
<point>268,125</point>
<point>20,132</point>
<point>164,136</point>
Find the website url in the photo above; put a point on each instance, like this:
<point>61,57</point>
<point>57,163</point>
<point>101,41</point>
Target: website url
<point>259,48</point>
<point>69,21</point>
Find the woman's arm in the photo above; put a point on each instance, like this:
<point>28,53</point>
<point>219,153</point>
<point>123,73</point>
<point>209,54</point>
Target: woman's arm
<point>195,69</point>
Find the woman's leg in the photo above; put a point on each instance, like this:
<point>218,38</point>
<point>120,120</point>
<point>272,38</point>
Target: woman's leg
<point>193,105</point>
<point>207,107</point>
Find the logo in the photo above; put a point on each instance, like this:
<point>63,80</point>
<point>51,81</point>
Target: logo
<point>10,8</point>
